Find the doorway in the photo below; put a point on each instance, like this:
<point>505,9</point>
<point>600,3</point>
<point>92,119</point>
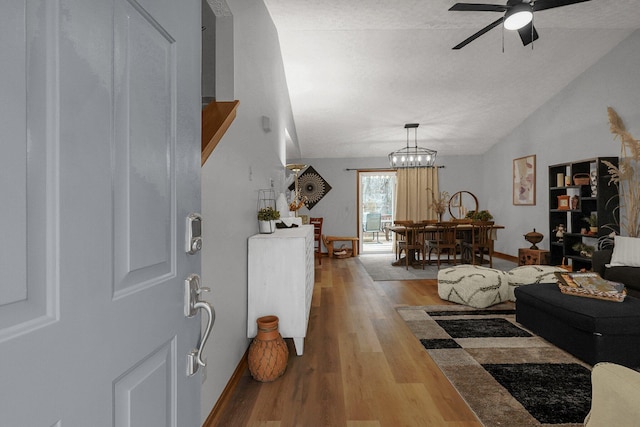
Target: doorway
<point>376,210</point>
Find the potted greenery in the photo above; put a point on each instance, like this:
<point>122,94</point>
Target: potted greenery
<point>267,219</point>
<point>483,215</point>
<point>593,222</point>
<point>583,249</point>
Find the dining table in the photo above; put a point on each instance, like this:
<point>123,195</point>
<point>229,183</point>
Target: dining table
<point>464,228</point>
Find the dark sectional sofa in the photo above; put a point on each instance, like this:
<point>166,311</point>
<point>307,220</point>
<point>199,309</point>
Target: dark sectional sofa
<point>592,330</point>
<point>629,276</point>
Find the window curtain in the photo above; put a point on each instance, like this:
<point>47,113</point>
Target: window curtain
<point>415,191</point>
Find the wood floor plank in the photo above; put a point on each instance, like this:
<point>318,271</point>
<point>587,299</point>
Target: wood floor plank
<point>361,366</point>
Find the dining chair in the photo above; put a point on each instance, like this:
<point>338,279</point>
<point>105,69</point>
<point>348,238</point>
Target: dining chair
<point>481,241</point>
<point>445,241</point>
<point>414,244</point>
<point>462,235</point>
<point>317,237</point>
<point>400,238</point>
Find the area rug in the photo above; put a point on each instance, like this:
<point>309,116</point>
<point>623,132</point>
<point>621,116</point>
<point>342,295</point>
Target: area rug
<point>379,268</point>
<point>505,373</point>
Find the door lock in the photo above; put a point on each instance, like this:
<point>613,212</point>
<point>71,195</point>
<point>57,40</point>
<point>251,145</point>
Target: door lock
<point>194,233</point>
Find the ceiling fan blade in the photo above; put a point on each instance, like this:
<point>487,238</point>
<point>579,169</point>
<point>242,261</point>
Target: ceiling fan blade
<point>528,34</point>
<point>473,7</point>
<point>479,33</point>
<point>549,4</point>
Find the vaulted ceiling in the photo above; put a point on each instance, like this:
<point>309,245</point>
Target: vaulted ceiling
<point>358,70</point>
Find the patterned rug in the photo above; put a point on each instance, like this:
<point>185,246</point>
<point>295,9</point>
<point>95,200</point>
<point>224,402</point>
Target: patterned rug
<point>505,373</point>
<point>379,268</point>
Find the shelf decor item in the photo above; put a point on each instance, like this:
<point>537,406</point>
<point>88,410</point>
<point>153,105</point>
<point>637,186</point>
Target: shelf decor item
<point>267,219</point>
<point>563,202</point>
<point>581,179</point>
<point>268,353</point>
<point>267,212</point>
<point>593,223</point>
<point>626,175</point>
<point>534,238</point>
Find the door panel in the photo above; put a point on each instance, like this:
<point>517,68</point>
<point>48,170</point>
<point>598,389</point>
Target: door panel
<point>28,168</point>
<point>145,395</point>
<point>145,224</point>
<point>92,324</point>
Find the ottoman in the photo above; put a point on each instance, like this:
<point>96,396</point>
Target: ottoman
<point>530,274</point>
<point>592,330</point>
<point>473,285</point>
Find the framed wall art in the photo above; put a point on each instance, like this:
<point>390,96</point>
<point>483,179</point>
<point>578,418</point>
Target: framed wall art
<point>524,180</point>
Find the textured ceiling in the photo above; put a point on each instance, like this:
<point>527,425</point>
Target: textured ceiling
<point>358,70</point>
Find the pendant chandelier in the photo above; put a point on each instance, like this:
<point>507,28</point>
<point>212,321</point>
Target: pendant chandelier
<point>412,157</point>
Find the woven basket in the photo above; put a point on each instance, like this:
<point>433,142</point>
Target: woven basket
<point>342,252</point>
<point>581,179</point>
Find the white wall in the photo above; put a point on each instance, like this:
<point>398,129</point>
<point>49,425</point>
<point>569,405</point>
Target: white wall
<point>573,125</point>
<point>245,161</point>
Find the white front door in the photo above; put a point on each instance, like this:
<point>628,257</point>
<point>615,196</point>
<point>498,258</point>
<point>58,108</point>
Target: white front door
<point>99,167</point>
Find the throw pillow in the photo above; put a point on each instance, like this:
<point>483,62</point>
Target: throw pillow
<point>626,252</point>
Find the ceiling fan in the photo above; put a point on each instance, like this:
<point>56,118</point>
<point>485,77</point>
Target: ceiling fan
<point>518,15</point>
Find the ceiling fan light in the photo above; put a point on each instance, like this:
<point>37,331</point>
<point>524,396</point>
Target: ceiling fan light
<point>518,16</point>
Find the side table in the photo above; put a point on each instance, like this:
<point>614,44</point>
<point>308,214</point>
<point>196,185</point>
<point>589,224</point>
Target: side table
<point>528,256</point>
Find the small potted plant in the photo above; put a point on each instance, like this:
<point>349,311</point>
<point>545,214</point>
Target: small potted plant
<point>483,215</point>
<point>583,249</point>
<point>267,219</point>
<point>593,223</point>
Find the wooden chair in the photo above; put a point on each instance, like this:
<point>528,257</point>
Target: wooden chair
<point>445,241</point>
<point>462,234</point>
<point>413,245</point>
<point>317,237</point>
<point>373,224</point>
<point>481,241</point>
<point>400,239</point>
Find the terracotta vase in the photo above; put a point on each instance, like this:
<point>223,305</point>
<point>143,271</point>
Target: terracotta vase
<point>268,353</point>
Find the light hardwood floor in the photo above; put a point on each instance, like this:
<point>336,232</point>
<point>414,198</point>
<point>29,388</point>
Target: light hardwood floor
<point>361,366</point>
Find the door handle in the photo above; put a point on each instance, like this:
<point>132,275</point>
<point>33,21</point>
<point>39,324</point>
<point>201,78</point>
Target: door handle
<point>193,303</point>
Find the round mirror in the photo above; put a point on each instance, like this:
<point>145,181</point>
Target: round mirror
<point>461,203</point>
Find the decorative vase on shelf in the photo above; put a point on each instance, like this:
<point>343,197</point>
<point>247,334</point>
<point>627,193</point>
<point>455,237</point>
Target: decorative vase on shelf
<point>268,353</point>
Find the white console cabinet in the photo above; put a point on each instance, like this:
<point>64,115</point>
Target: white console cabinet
<point>280,278</point>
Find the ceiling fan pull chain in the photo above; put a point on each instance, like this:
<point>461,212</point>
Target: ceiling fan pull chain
<point>533,16</point>
<point>503,38</point>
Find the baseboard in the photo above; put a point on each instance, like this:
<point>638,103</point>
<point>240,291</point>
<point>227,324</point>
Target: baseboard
<point>505,256</point>
<point>216,413</point>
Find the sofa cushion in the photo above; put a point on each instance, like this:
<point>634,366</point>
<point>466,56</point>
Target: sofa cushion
<point>629,276</point>
<point>626,252</point>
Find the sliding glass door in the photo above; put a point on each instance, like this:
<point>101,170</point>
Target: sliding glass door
<point>376,204</point>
